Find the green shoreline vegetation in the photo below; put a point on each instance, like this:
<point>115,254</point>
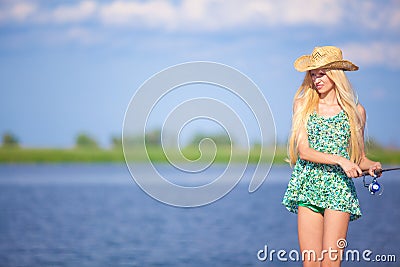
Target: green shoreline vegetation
<point>156,154</point>
<point>86,150</point>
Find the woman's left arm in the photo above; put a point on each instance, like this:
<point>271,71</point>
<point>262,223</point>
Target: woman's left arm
<point>366,163</point>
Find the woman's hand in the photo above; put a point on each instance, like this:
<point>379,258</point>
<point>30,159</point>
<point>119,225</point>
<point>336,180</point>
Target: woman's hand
<point>351,169</point>
<point>373,167</point>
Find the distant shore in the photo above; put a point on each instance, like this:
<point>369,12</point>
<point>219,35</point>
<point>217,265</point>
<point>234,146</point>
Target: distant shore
<point>82,155</point>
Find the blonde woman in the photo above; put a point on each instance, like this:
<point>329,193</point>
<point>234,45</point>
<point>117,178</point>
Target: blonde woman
<point>326,147</point>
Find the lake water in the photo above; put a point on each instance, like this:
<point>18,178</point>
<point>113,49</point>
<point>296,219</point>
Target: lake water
<point>96,215</point>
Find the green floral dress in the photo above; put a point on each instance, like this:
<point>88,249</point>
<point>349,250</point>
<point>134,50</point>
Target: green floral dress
<point>324,186</point>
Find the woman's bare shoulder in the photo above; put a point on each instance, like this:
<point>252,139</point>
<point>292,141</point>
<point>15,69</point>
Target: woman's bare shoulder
<point>297,103</point>
<point>362,112</point>
<point>360,108</point>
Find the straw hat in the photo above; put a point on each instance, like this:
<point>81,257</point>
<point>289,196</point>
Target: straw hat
<point>327,57</point>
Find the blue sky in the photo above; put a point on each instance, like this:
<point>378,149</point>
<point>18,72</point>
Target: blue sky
<point>72,66</point>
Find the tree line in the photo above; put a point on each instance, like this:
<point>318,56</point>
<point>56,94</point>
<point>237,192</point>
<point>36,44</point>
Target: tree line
<point>152,138</point>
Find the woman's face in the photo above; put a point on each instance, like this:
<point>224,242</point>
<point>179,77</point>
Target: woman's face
<point>321,81</point>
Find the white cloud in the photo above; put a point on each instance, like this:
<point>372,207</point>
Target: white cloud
<point>214,15</point>
<point>378,93</point>
<point>154,13</point>
<point>373,54</point>
<point>376,15</point>
<point>80,12</point>
<point>201,15</point>
<point>19,12</point>
<point>81,35</point>
<point>394,18</point>
<point>187,16</point>
<point>294,12</point>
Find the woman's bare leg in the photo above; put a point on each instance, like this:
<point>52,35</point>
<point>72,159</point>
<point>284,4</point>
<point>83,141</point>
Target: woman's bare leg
<point>310,232</point>
<point>334,236</point>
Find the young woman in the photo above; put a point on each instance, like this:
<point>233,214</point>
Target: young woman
<point>326,147</point>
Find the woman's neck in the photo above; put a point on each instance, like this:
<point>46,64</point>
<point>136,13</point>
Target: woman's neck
<point>329,98</point>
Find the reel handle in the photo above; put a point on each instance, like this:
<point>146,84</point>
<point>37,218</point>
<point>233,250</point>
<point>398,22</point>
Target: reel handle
<point>377,172</point>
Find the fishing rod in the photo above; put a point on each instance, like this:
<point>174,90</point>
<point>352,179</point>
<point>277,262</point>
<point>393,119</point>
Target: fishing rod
<point>379,171</point>
<point>375,187</point>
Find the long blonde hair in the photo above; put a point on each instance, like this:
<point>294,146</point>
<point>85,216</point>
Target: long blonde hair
<point>308,103</point>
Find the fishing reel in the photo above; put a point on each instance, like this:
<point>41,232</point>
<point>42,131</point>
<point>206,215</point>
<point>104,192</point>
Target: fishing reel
<point>373,187</point>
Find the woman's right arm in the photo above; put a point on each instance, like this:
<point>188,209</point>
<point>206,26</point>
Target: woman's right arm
<point>307,153</point>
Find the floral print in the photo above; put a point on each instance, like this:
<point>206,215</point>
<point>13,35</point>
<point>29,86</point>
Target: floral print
<point>324,185</point>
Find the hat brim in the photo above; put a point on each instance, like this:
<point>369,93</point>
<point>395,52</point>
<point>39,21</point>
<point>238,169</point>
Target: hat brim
<point>303,63</point>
